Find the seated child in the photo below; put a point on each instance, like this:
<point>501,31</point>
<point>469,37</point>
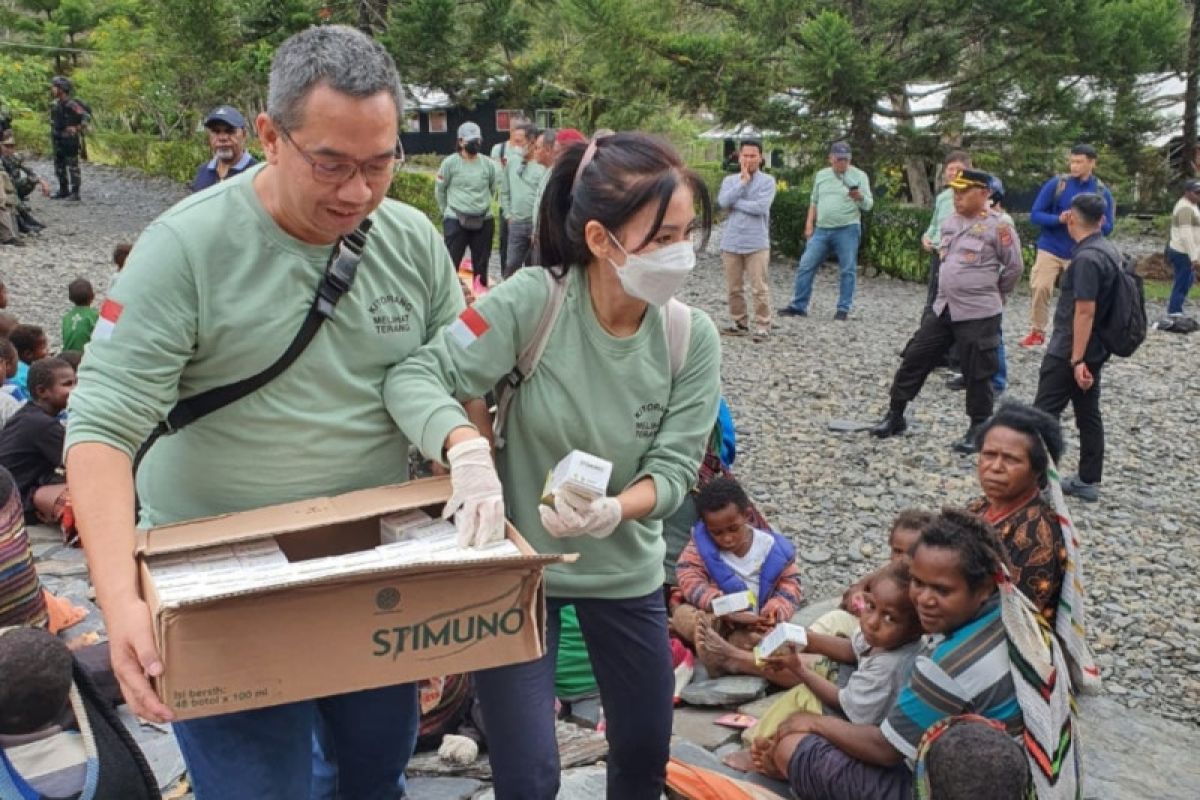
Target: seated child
<point>78,323</point>
<point>44,753</point>
<point>882,650</point>
<point>11,365</point>
<point>21,598</point>
<point>841,622</point>
<point>31,444</point>
<point>725,555</point>
<point>32,345</point>
<point>11,397</point>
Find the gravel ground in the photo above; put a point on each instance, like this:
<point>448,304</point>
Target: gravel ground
<point>836,492</point>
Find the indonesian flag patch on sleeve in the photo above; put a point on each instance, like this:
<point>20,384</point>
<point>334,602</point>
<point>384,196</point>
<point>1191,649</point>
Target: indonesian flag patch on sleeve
<point>110,312</point>
<point>469,326</point>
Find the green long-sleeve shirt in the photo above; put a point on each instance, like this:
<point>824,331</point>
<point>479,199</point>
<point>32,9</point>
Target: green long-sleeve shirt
<point>524,179</point>
<point>466,185</point>
<point>831,196</point>
<point>214,292</point>
<point>943,207</point>
<point>612,397</point>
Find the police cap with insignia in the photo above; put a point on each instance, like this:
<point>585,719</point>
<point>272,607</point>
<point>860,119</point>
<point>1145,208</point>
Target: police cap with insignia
<point>972,179</point>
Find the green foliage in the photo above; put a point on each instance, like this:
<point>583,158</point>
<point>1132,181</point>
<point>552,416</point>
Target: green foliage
<point>416,189</point>
<point>788,214</point>
<point>426,160</point>
<point>892,240</point>
<point>175,159</point>
<point>33,134</point>
<point>23,83</point>
<point>712,174</point>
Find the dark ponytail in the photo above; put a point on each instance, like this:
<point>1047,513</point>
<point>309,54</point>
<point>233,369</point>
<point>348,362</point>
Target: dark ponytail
<point>625,172</point>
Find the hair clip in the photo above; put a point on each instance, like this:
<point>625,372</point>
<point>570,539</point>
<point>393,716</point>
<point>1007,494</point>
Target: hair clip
<point>588,155</point>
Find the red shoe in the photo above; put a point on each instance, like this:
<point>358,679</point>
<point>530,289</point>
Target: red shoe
<point>1034,339</point>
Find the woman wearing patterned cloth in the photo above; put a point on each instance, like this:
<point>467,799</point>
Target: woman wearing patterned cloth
<point>1016,447</point>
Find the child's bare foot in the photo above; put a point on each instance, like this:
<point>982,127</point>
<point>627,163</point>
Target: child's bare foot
<point>762,754</point>
<point>717,655</point>
<point>741,760</point>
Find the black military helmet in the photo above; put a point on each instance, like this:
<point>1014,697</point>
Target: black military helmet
<point>61,83</point>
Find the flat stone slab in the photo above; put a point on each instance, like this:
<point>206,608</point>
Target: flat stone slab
<point>697,725</point>
<point>727,691</point>
<point>585,783</point>
<point>1131,753</point>
<point>576,747</point>
<point>808,614</point>
<point>442,788</point>
<point>690,753</point>
<point>850,425</point>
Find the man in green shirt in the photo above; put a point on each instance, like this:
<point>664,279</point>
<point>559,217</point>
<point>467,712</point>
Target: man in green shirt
<point>518,139</point>
<point>78,323</point>
<point>213,292</point>
<point>522,177</point>
<point>943,207</point>
<point>840,194</point>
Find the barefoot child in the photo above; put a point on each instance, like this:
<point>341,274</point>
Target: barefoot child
<point>881,649</point>
<point>728,555</point>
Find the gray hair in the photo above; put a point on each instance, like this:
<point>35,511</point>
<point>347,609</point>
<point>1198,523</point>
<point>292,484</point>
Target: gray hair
<point>344,58</point>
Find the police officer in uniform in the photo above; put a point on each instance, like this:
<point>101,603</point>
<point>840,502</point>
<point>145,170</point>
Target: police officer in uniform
<point>981,264</point>
<point>67,116</point>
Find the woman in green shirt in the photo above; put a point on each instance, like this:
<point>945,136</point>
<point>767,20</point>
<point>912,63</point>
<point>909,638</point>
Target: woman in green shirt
<point>616,222</point>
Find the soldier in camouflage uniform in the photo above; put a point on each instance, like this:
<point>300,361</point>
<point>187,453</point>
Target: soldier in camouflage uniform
<point>67,116</point>
<point>24,179</point>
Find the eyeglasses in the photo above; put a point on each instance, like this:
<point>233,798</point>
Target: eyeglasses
<point>374,170</point>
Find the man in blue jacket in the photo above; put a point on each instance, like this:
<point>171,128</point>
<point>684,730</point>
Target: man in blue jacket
<point>1054,246</point>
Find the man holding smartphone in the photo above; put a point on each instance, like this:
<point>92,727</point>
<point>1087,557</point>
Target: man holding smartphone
<point>840,193</point>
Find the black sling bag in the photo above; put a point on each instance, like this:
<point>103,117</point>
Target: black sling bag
<point>337,280</point>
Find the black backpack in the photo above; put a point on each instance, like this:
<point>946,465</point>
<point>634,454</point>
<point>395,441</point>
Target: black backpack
<point>1122,328</point>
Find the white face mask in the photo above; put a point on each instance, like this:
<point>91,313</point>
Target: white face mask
<point>656,276</point>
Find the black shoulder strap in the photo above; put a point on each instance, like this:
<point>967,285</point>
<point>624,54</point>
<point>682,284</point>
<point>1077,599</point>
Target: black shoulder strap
<point>338,278</point>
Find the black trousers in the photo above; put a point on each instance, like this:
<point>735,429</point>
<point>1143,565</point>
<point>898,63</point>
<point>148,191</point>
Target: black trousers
<point>935,269</point>
<point>978,341</point>
<point>1057,387</point>
<point>66,164</point>
<point>503,238</point>
<point>458,239</point>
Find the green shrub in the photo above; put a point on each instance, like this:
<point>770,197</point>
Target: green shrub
<point>33,134</point>
<point>891,241</point>
<point>788,213</point>
<point>427,160</point>
<point>416,189</point>
<point>711,173</point>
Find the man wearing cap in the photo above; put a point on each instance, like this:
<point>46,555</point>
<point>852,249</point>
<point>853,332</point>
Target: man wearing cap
<point>466,183</point>
<point>981,263</point>
<point>840,194</point>
<point>227,140</point>
<point>1054,245</point>
<point>67,117</point>
<point>1183,248</point>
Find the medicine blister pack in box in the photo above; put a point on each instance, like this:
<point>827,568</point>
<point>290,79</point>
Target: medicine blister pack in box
<point>732,603</point>
<point>581,474</point>
<point>782,634</point>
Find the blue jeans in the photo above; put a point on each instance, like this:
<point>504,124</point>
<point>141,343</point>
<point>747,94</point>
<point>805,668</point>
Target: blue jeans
<point>1000,379</point>
<point>631,657</point>
<point>844,242</point>
<point>1183,280</point>
<point>267,753</point>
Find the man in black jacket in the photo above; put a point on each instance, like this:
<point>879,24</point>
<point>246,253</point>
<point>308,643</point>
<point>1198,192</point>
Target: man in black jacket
<point>67,116</point>
<point>1070,371</point>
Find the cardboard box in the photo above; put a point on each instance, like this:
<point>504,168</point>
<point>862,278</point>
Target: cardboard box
<point>781,634</point>
<point>581,474</point>
<point>732,603</point>
<point>344,613</point>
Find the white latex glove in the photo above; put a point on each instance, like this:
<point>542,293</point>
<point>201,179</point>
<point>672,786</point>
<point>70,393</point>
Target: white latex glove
<point>456,749</point>
<point>571,517</point>
<point>477,501</point>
